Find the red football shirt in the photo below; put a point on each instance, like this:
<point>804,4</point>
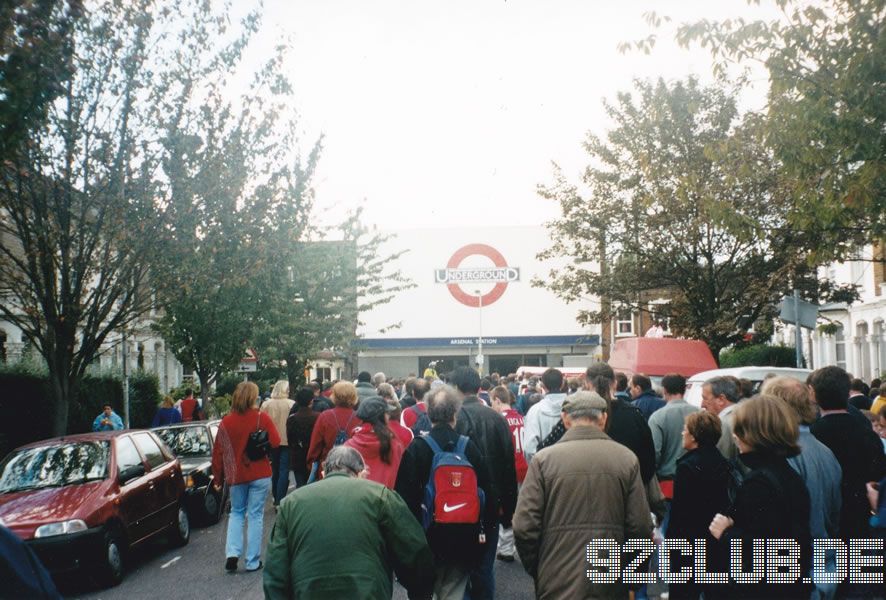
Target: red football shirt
<point>515,424</point>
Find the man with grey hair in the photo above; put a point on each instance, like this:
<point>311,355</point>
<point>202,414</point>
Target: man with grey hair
<point>458,548</point>
<point>719,396</point>
<point>378,379</point>
<point>345,515</point>
<point>583,488</point>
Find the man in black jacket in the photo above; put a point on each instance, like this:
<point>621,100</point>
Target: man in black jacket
<point>858,450</point>
<point>457,549</point>
<point>489,430</point>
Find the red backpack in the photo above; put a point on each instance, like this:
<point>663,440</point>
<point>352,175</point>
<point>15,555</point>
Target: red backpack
<point>452,495</point>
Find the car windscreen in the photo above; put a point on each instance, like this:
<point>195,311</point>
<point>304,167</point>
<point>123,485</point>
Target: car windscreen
<point>54,466</point>
<point>186,441</point>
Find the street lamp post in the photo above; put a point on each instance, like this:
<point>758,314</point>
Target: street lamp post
<point>480,339</point>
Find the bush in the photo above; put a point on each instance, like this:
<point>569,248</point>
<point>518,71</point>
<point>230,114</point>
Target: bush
<point>95,391</point>
<point>227,382</point>
<point>759,355</point>
<point>144,398</point>
<point>178,393</point>
<point>219,406</point>
<point>24,407</point>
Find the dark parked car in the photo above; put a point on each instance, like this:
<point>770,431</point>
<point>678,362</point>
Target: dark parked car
<point>192,444</point>
<point>81,501</point>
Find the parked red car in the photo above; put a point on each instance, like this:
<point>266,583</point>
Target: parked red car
<point>82,501</point>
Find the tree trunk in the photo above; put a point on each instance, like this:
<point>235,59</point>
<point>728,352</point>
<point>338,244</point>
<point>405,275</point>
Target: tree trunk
<point>295,372</point>
<point>62,394</point>
<point>205,383</point>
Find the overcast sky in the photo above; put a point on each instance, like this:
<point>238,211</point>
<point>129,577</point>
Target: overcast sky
<point>451,112</point>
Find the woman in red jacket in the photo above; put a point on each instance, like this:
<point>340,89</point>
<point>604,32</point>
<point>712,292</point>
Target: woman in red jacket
<point>373,439</point>
<point>338,422</point>
<point>249,480</point>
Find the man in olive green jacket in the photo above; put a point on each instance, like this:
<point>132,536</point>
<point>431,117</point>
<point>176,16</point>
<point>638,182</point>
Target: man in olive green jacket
<point>341,538</point>
<point>585,487</point>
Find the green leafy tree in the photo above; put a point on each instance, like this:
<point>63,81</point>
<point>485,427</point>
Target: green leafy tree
<point>317,300</point>
<point>230,180</point>
<point>681,199</point>
<point>36,61</point>
<point>79,220</point>
<point>85,201</point>
<point>825,120</point>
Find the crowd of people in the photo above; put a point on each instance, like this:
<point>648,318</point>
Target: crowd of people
<point>432,479</point>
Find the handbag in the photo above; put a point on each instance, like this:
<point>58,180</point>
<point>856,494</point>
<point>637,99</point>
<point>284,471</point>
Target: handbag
<point>258,444</point>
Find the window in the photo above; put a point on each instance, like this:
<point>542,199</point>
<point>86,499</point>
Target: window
<point>149,449</point>
<point>660,312</point>
<point>187,441</point>
<point>127,455</point>
<point>324,373</point>
<point>840,347</point>
<point>624,322</point>
<point>54,466</point>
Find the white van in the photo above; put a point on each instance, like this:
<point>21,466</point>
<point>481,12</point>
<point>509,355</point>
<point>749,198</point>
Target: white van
<point>755,374</point>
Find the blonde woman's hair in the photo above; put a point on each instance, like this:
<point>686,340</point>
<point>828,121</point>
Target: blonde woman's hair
<point>245,395</point>
<point>795,394</point>
<point>167,402</point>
<point>344,394</point>
<point>281,390</point>
<point>766,423</point>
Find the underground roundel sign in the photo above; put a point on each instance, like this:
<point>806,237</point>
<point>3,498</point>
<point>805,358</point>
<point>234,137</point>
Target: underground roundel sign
<point>461,280</point>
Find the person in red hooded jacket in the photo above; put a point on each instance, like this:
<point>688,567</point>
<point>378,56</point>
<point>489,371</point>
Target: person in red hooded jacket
<point>377,444</point>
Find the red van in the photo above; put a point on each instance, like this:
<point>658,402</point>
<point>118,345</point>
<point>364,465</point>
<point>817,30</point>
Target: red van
<point>656,357</point>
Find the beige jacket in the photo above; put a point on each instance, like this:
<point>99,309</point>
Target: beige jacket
<point>278,410</point>
<point>584,487</point>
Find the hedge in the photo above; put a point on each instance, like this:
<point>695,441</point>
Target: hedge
<point>25,403</point>
<point>759,355</point>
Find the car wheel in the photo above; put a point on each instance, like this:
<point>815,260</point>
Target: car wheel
<point>180,529</point>
<point>111,564</point>
<point>212,506</point>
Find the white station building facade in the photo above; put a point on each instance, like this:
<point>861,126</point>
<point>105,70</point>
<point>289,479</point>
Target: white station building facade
<point>473,304</point>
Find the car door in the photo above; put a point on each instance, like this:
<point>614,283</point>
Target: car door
<point>172,484</point>
<point>161,482</point>
<point>137,496</point>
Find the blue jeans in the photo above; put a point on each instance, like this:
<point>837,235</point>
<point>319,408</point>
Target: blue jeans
<point>247,504</point>
<point>481,584</point>
<point>279,472</point>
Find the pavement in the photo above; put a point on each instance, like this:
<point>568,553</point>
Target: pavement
<point>156,571</point>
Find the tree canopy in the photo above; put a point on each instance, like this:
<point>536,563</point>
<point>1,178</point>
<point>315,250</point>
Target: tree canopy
<point>315,304</point>
<point>681,199</point>
<point>825,119</point>
<point>36,60</point>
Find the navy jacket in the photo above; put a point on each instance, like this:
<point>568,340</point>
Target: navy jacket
<point>648,403</point>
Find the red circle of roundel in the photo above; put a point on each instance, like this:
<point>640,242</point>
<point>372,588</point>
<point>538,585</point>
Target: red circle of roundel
<point>483,250</point>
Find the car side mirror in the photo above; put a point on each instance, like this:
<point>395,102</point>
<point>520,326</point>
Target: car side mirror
<point>130,473</point>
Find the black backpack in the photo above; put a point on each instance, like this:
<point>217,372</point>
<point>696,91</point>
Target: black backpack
<point>258,444</point>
